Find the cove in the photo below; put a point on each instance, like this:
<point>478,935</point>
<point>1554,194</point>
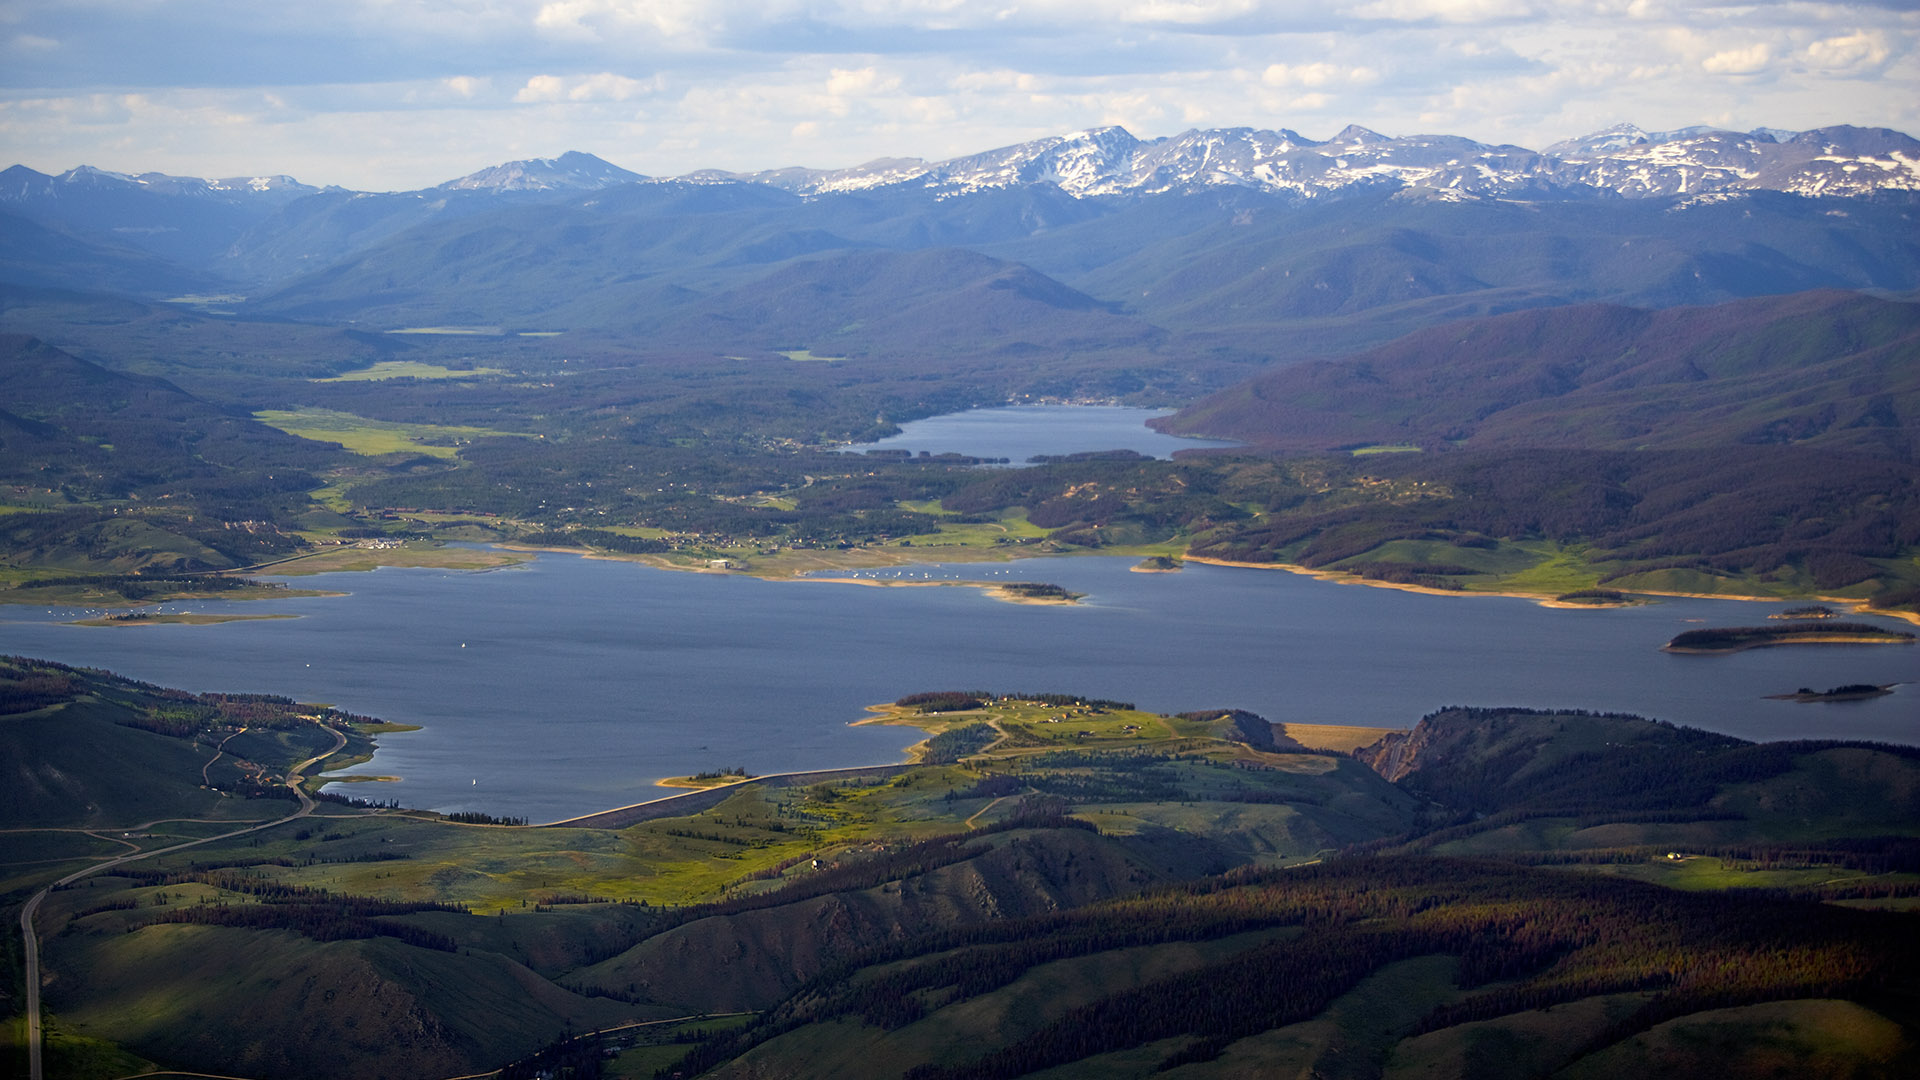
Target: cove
<point>567,685</point>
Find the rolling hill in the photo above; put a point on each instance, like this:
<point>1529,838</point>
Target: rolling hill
<point>1829,370</point>
<point>1554,890</point>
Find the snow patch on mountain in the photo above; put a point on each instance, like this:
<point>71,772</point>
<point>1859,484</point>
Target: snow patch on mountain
<point>1622,160</point>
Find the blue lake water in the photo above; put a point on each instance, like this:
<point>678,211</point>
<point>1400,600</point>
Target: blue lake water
<point>567,685</point>
<point>1019,432</point>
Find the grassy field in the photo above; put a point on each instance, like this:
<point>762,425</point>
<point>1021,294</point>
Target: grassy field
<point>452,331</point>
<point>410,369</point>
<point>1782,1038</point>
<point>376,438</point>
<point>414,553</point>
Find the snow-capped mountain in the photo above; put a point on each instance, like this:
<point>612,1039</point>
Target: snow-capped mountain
<point>571,171</point>
<point>270,227</point>
<point>21,184</point>
<point>1620,161</point>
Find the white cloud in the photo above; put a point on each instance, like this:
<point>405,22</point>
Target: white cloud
<point>542,88</point>
<point>391,93</point>
<point>1448,11</point>
<point>860,82</point>
<point>1747,61</point>
<point>1851,52</point>
<point>1189,12</point>
<point>604,86</point>
<point>691,20</point>
<point>1316,74</point>
<point>607,86</point>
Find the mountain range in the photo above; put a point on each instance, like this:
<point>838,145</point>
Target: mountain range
<point>271,228</point>
<point>1622,160</point>
<point>1226,249</point>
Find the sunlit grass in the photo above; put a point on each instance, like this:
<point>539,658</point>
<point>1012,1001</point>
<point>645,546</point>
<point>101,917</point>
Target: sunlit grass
<point>409,369</point>
<point>375,438</point>
<point>452,331</point>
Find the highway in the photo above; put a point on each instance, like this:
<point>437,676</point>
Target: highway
<point>294,780</point>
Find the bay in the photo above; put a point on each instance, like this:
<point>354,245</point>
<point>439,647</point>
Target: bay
<point>566,684</point>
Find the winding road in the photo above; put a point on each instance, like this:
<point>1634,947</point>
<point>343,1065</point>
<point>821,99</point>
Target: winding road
<point>294,780</point>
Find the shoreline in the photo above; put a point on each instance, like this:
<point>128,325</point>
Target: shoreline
<point>1339,577</point>
<point>1788,639</point>
<point>874,558</point>
<point>1821,697</point>
<point>688,783</point>
<point>182,618</point>
<point>890,715</point>
<point>993,589</point>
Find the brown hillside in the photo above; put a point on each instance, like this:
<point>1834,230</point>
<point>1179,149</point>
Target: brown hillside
<point>1840,370</point>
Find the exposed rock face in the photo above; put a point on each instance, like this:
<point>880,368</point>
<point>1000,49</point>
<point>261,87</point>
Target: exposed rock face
<point>1393,754</point>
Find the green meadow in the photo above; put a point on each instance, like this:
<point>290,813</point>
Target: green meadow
<point>377,438</point>
<point>409,369</point>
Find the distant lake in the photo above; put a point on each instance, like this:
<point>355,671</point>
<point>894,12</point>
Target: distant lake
<point>567,685</point>
<point>1020,432</point>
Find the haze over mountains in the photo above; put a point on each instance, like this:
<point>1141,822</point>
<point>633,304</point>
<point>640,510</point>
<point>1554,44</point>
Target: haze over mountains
<point>1241,246</point>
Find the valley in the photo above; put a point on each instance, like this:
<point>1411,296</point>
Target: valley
<point>344,667</point>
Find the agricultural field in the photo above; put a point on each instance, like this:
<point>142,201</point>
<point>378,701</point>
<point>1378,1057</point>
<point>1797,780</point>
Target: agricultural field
<point>375,438</point>
<point>409,369</point>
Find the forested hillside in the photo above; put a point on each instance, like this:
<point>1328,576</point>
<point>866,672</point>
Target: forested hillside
<point>1830,370</point>
<point>1126,893</point>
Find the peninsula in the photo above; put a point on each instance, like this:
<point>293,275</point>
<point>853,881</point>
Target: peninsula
<point>1736,638</point>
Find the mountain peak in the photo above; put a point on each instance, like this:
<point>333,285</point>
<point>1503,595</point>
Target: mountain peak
<point>1606,140</point>
<point>571,171</point>
<point>1355,135</point>
<point>1112,134</point>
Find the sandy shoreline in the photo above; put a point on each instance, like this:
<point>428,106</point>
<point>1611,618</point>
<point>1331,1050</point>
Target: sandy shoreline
<point>1339,577</point>
<point>993,588</point>
<point>185,618</point>
<point>1790,639</point>
<point>889,557</point>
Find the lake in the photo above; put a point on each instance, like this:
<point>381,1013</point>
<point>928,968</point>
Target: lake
<point>566,685</point>
<point>1020,432</point>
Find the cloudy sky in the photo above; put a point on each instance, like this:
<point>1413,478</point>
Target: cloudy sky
<point>398,94</point>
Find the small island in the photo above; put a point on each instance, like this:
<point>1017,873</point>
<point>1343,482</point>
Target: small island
<point>1157,564</point>
<point>716,778</point>
<point>1593,598</point>
<point>1033,592</point>
<point>1849,692</point>
<point>173,618</point>
<point>1804,632</point>
<point>1810,611</point>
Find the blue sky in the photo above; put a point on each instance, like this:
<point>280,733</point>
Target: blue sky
<point>398,94</point>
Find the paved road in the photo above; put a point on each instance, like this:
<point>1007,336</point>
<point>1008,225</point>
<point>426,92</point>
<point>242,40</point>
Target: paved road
<point>294,778</point>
